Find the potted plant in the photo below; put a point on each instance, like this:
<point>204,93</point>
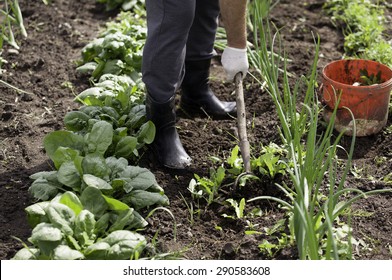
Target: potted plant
<point>360,88</point>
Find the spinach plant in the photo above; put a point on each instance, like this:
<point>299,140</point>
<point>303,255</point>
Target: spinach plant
<point>70,227</point>
<point>114,101</point>
<point>80,162</point>
<point>118,50</point>
<point>90,204</point>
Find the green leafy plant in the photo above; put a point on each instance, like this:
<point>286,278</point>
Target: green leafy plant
<point>363,24</point>
<point>225,174</point>
<point>271,161</point>
<point>238,208</point>
<point>106,190</point>
<point>12,16</point>
<point>118,50</point>
<point>207,188</point>
<point>11,22</point>
<point>370,79</point>
<point>71,227</point>
<point>118,103</point>
<point>93,201</point>
<point>276,238</point>
<point>81,161</point>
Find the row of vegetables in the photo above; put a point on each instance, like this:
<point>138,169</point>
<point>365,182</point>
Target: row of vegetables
<point>94,203</point>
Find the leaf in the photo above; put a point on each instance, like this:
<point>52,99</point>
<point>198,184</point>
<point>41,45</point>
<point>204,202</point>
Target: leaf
<point>113,66</point>
<point>64,252</point>
<point>48,175</point>
<point>123,98</point>
<point>233,156</point>
<point>137,116</point>
<point>76,121</point>
<point>46,237</point>
<point>118,245</point>
<point>140,199</point>
<point>36,213</point>
<point>42,189</point>
<point>62,138</point>
<point>138,221</point>
<point>102,224</point>
<point>85,228</point>
<point>93,201</point>
<point>87,68</point>
<point>27,254</point>
<point>110,111</point>
<point>116,165</point>
<point>126,146</point>
<point>123,219</point>
<point>71,200</point>
<point>122,184</point>
<point>61,216</point>
<point>146,133</point>
<point>219,176</point>
<point>96,182</point>
<point>141,178</point>
<point>121,131</point>
<point>114,204</point>
<point>97,251</point>
<point>92,91</point>
<point>69,176</point>
<point>100,137</point>
<point>95,164</point>
<point>64,154</point>
<point>241,208</point>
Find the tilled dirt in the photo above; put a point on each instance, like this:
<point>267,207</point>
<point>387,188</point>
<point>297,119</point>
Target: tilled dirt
<point>45,67</point>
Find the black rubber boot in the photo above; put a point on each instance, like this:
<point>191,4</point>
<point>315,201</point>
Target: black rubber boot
<point>197,94</point>
<point>167,145</point>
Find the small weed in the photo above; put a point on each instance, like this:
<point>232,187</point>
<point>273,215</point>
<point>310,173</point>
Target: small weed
<point>380,160</point>
<point>191,211</point>
<point>370,79</point>
<point>207,188</point>
<point>238,208</point>
<point>388,179</point>
<point>277,233</point>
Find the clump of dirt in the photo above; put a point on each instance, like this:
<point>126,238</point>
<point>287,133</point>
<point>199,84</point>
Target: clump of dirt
<point>45,69</point>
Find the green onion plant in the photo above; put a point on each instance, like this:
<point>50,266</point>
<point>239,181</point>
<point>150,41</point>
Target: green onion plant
<point>11,17</point>
<point>316,194</point>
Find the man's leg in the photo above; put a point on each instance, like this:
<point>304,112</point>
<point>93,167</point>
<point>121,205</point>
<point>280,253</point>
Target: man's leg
<point>196,93</point>
<point>168,23</point>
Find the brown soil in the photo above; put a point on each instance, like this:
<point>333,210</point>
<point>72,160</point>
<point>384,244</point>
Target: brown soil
<point>46,61</point>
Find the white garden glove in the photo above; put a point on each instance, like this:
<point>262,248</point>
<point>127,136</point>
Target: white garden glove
<point>234,61</point>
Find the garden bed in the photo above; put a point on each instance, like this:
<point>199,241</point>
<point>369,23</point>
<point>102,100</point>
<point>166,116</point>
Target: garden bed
<point>45,69</point>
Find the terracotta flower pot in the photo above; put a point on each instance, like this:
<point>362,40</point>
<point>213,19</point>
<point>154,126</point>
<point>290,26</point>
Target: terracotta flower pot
<point>368,103</point>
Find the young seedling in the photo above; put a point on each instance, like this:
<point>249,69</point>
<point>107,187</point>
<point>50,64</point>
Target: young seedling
<point>370,79</point>
<point>238,208</point>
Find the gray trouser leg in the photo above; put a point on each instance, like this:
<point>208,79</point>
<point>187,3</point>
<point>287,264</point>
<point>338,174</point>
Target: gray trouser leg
<point>177,29</point>
<point>168,23</point>
<point>200,44</point>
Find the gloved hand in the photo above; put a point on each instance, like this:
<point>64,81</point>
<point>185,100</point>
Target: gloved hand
<point>235,60</point>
